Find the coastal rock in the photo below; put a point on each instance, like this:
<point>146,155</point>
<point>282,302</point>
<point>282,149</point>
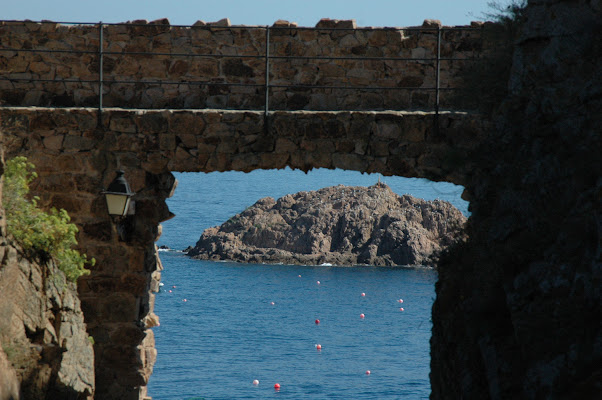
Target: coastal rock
<point>42,330</point>
<point>338,225</point>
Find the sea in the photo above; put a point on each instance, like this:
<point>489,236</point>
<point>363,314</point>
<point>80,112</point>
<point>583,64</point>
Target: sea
<point>257,331</point>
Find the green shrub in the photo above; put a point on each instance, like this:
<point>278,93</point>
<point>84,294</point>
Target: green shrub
<point>46,234</point>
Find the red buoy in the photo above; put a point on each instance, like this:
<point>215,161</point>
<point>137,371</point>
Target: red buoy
<point>362,315</point>
<point>318,347</point>
<point>317,321</point>
<point>318,282</point>
<point>272,303</point>
<point>400,301</point>
<point>277,386</point>
<point>255,382</point>
<point>368,372</point>
<point>401,309</point>
<point>363,294</point>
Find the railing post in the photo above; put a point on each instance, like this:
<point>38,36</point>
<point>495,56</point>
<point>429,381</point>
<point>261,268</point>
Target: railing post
<point>437,79</point>
<point>100,68</point>
<point>267,80</point>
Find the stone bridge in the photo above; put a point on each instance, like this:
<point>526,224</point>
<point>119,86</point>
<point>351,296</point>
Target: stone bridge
<point>81,102</point>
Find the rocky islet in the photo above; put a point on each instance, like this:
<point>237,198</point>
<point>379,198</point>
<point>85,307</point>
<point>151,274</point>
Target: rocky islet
<point>339,225</point>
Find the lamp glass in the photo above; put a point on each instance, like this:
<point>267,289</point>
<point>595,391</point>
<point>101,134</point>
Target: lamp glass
<point>117,203</point>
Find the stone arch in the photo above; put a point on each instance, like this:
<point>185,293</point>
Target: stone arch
<point>77,159</point>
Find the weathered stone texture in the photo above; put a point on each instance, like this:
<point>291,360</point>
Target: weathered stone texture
<point>339,225</point>
<point>76,160</point>
<point>519,308</point>
<point>42,331</point>
<point>205,57</point>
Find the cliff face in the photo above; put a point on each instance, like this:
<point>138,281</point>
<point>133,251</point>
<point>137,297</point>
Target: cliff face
<point>518,310</point>
<point>45,352</point>
<point>338,225</point>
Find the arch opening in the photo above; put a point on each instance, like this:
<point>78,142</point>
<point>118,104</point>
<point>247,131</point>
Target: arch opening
<point>219,329</point>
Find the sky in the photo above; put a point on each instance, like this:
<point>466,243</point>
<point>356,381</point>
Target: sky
<point>396,13</point>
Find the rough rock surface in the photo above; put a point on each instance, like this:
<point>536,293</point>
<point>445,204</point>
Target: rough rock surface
<point>45,352</point>
<point>339,225</point>
<point>518,313</point>
<point>42,329</point>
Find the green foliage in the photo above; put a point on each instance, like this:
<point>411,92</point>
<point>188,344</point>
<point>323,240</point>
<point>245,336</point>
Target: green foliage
<point>47,234</point>
<point>508,12</point>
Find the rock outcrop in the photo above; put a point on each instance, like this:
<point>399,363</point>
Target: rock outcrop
<point>45,351</point>
<point>338,225</point>
<point>519,307</point>
<point>42,329</point>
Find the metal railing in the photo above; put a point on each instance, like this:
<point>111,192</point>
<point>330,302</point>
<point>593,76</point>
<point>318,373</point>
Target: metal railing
<point>269,58</point>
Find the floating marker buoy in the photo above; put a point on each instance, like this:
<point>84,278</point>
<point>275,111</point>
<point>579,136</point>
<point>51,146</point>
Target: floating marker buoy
<point>368,372</point>
<point>299,276</point>
<point>174,286</point>
<point>255,382</point>
<point>184,300</point>
<point>272,303</point>
<point>400,301</point>
<point>401,309</point>
<point>318,347</point>
<point>277,386</point>
<point>363,294</point>
<point>317,321</point>
<point>318,282</point>
<point>362,315</point>
<point>161,284</point>
<point>169,290</point>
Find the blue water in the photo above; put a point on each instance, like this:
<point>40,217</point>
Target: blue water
<point>220,331</point>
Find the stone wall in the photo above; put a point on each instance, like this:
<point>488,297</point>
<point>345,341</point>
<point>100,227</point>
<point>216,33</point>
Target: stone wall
<point>219,53</point>
<point>76,159</point>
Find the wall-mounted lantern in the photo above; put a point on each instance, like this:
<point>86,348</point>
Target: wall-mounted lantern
<point>118,195</point>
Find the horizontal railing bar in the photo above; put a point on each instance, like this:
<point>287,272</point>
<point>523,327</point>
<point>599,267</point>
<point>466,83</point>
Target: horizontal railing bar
<point>142,53</point>
<point>301,87</point>
<point>50,51</point>
<point>368,58</point>
<point>158,82</point>
<point>151,25</point>
<point>259,56</point>
<point>5,78</point>
<point>205,83</point>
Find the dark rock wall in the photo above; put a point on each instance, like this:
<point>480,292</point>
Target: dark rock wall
<point>518,310</point>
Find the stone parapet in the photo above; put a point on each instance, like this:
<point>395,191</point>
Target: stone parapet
<point>223,66</point>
